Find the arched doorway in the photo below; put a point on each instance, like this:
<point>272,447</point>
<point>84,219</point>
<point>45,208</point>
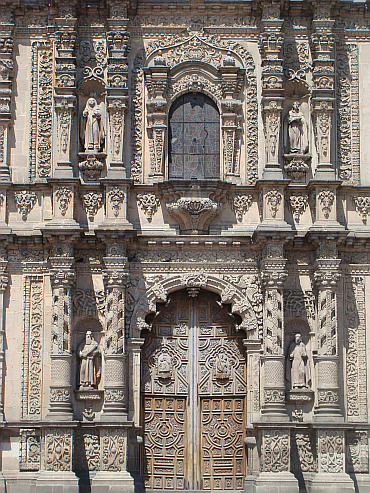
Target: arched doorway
<point>193,388</point>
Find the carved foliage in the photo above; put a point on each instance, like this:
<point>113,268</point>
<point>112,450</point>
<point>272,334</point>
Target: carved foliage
<point>326,200</point>
<point>303,452</point>
<point>113,445</point>
<point>58,449</point>
<point>273,201</point>
<point>32,348</point>
<point>241,204</point>
<point>41,110</point>
<point>30,450</point>
<point>25,202</point>
<point>92,201</point>
<point>331,451</point>
<point>149,203</point>
<point>86,446</point>
<point>298,204</point>
<point>362,205</point>
<point>116,198</point>
<point>63,196</point>
<point>275,451</point>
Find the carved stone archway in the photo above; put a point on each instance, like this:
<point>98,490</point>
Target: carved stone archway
<point>229,294</point>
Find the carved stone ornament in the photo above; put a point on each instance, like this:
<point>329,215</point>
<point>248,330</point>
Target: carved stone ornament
<point>362,205</point>
<point>164,363</point>
<point>90,370</point>
<point>194,214</point>
<point>149,203</point>
<point>63,196</point>
<point>326,199</point>
<point>298,204</point>
<point>296,166</point>
<point>116,197</point>
<point>25,202</point>
<point>273,201</point>
<point>240,205</point>
<point>92,201</point>
<point>91,167</point>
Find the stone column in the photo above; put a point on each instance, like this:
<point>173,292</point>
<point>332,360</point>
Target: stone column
<point>6,63</point>
<point>115,390</point>
<point>271,41</point>
<point>134,348</point>
<point>62,280</point>
<point>4,279</point>
<point>65,87</point>
<point>323,94</point>
<point>326,278</point>
<point>274,275</point>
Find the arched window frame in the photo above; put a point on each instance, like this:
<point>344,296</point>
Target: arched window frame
<point>223,85</point>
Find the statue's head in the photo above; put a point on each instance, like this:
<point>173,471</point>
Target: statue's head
<point>89,336</point>
<point>296,106</point>
<point>91,102</point>
<point>298,338</point>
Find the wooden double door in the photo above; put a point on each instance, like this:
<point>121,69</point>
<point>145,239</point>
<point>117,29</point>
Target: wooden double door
<point>193,388</point>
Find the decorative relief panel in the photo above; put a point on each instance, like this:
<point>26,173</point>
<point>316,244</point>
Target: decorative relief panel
<point>113,449</point>
<point>348,128</point>
<point>41,110</point>
<point>58,449</point>
<point>275,451</point>
<point>223,462</point>
<point>357,451</point>
<point>32,348</point>
<point>355,321</point>
<point>30,450</point>
<point>86,455</point>
<point>303,452</point>
<point>331,451</point>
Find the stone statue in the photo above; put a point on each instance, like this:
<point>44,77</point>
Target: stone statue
<point>295,141</point>
<point>297,368</point>
<point>92,128</point>
<point>164,364</point>
<point>222,365</point>
<point>89,353</point>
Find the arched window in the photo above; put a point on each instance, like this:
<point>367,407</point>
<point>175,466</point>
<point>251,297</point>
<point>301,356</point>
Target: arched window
<point>194,138</point>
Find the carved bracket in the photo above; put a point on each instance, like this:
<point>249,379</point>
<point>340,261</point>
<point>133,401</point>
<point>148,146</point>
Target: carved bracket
<point>194,214</point>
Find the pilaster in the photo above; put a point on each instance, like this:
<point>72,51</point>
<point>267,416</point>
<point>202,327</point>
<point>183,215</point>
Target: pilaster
<point>326,278</point>
<point>62,276</point>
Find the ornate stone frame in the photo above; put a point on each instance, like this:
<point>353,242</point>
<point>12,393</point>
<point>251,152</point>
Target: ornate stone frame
<point>223,70</point>
<point>159,292</point>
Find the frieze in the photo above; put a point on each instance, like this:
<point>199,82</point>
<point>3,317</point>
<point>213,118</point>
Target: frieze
<point>192,255</point>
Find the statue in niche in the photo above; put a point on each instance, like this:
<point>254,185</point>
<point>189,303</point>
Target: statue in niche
<point>92,128</point>
<point>297,367</point>
<point>296,141</point>
<point>164,364</point>
<point>90,367</point>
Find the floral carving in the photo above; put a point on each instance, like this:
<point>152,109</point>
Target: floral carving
<point>273,200</point>
<point>92,201</point>
<point>362,205</point>
<point>63,196</point>
<point>116,197</point>
<point>58,444</point>
<point>149,203</point>
<point>241,204</point>
<point>331,450</point>
<point>326,199</point>
<point>25,202</point>
<point>113,449</point>
<point>298,204</point>
<point>275,451</point>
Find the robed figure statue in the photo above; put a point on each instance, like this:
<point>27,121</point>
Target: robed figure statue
<point>297,366</point>
<point>89,354</point>
<point>92,128</point>
<point>295,135</point>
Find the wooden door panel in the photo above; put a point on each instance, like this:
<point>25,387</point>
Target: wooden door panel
<point>222,435</point>
<point>165,425</point>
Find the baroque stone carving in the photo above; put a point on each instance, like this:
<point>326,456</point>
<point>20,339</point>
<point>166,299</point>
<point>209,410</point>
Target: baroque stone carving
<point>194,215</point>
<point>355,316</point>
<point>298,204</point>
<point>298,366</point>
<point>25,202</point>
<point>92,127</point>
<point>113,443</point>
<point>92,201</point>
<point>90,368</point>
<point>91,167</point>
<point>30,450</point>
<point>275,451</point>
<point>241,204</point>
<point>116,197</point>
<point>63,197</point>
<point>33,347</point>
<point>326,199</point>
<point>357,451</point>
<point>331,451</point>
<point>86,447</point>
<point>149,203</point>
<point>41,109</point>
<point>296,140</point>
<point>58,449</point>
<point>273,200</point>
<point>362,204</point>
<point>87,302</point>
<point>303,452</point>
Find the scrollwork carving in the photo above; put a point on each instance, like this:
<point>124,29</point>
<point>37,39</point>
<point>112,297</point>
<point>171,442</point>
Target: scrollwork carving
<point>149,203</point>
<point>25,202</point>
<point>92,202</point>
<point>63,196</point>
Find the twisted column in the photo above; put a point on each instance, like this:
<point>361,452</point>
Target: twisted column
<point>115,279</point>
<point>273,276</point>
<point>326,278</point>
<point>62,277</point>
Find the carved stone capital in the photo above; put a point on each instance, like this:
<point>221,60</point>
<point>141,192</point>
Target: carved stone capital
<point>194,214</point>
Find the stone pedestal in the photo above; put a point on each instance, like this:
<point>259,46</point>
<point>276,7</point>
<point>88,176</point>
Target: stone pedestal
<point>330,483</point>
<point>112,482</point>
<point>57,482</point>
<point>276,482</point>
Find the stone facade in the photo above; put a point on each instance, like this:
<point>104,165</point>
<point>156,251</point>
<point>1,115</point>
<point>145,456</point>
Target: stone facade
<point>184,258</point>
